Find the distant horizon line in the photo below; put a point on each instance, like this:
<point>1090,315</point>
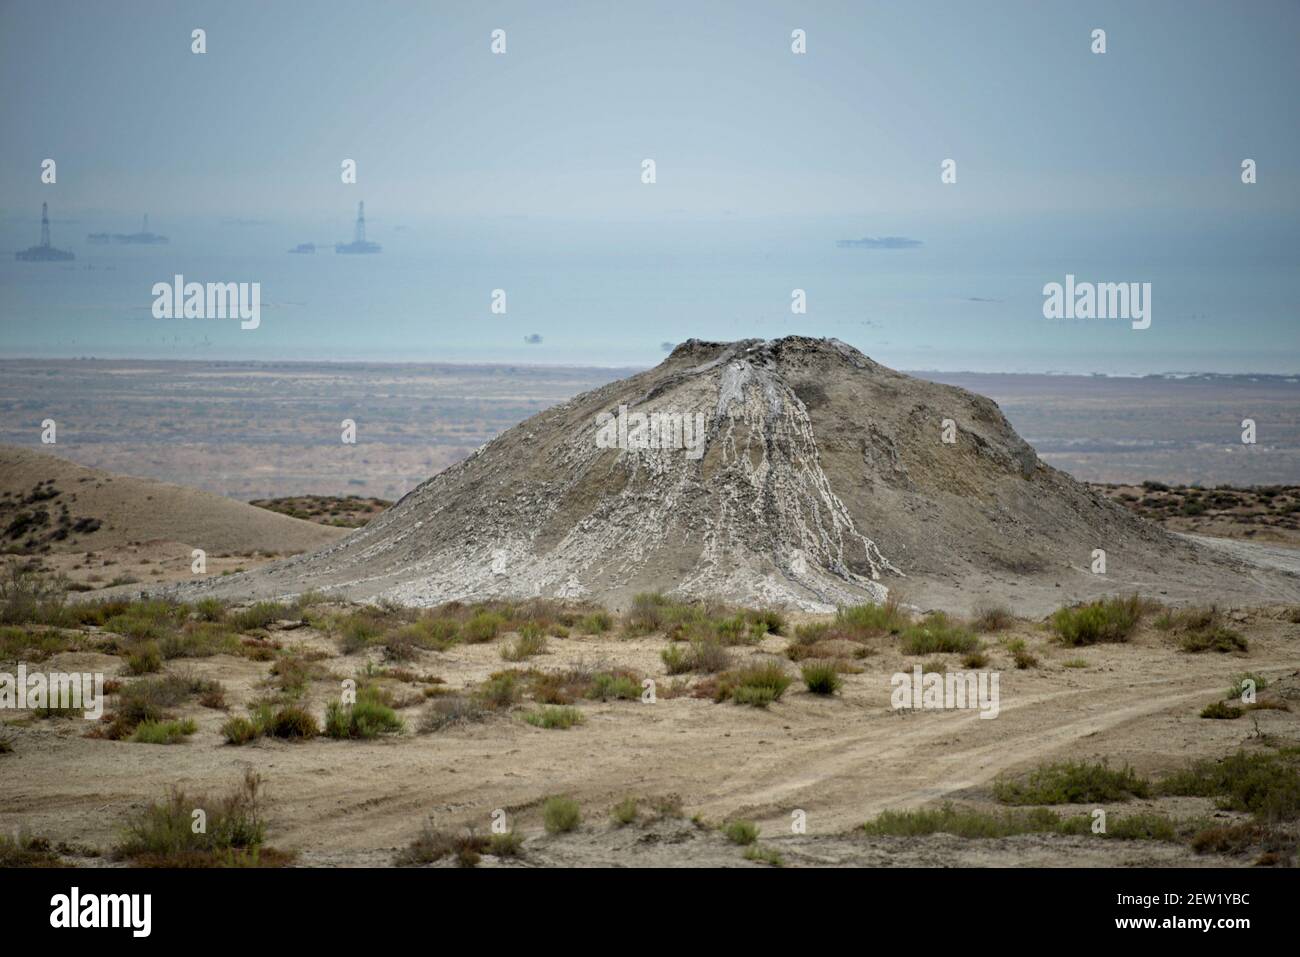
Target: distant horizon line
<point>471,363</point>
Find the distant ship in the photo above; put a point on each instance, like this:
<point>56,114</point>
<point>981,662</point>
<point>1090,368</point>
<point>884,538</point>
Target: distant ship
<point>142,238</point>
<point>44,253</point>
<point>358,244</point>
<point>882,242</point>
<point>304,248</point>
<point>98,239</point>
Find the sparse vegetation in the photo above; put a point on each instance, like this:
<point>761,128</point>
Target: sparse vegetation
<point>265,720</point>
<point>992,617</point>
<point>1071,782</point>
<point>554,717</point>
<point>1202,629</point>
<point>368,717</point>
<point>162,835</point>
<point>977,824</point>
<point>1244,681</point>
<point>1106,620</point>
<point>860,622</point>
<point>821,677</point>
<point>1262,783</point>
<point>530,641</point>
<point>937,634</point>
<point>432,845</point>
<point>163,732</point>
<point>453,710</point>
<point>758,685</point>
<point>624,812</point>
<point>764,855</point>
<point>741,832</point>
<point>1221,711</point>
<point>1021,655</point>
<point>560,815</point>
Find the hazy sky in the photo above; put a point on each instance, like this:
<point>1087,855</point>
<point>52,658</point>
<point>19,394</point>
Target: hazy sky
<point>523,171</point>
<point>710,90</point>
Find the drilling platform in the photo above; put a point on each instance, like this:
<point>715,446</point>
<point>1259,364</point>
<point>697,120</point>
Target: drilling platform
<point>44,253</point>
<point>359,244</point>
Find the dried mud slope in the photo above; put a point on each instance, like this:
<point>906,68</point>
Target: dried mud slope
<point>821,478</point>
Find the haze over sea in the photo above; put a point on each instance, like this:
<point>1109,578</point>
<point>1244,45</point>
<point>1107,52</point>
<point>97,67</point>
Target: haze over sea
<point>610,294</point>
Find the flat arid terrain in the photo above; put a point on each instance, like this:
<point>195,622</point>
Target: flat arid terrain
<point>833,638</point>
<point>251,430</point>
<point>470,735</point>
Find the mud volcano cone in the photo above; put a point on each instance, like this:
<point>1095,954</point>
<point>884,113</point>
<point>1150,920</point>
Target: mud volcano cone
<point>795,472</point>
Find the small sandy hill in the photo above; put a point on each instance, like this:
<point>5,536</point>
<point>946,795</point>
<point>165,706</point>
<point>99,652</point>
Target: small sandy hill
<point>51,505</point>
<point>795,472</point>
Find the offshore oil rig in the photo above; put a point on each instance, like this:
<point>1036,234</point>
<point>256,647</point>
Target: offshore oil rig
<point>44,253</point>
<point>143,238</point>
<point>359,243</point>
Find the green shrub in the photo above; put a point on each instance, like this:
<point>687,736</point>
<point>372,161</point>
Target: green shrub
<point>868,621</point>
<point>554,717</point>
<point>937,634</point>
<point>976,824</point>
<point>501,690</point>
<point>24,850</point>
<point>452,710</point>
<point>650,612</point>
<point>757,685</point>
<point>239,731</point>
<point>292,722</point>
<point>771,620</point>
<point>482,626</point>
<point>144,660</point>
<point>1238,687</point>
<point>993,617</point>
<point>259,615</point>
<point>1219,638</point>
<point>676,659</point>
<point>812,633</point>
<point>367,718</point>
<point>624,812</point>
<point>764,855</point>
<point>1142,827</point>
<point>162,833</point>
<point>1021,655</point>
<point>560,815</point>
<point>358,631</point>
<point>741,832</point>
<point>962,823</point>
<point>1220,711</point>
<point>198,639</point>
<point>597,623</point>
<point>620,687</point>
<point>1107,620</point>
<point>509,844</point>
<point>163,732</point>
<point>530,642</point>
<point>1266,785</point>
<point>709,657</point>
<point>210,609</point>
<point>821,677</point>
<point>1071,782</point>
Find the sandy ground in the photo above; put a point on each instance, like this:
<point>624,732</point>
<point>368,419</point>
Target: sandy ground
<point>840,760</point>
<point>135,530</point>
